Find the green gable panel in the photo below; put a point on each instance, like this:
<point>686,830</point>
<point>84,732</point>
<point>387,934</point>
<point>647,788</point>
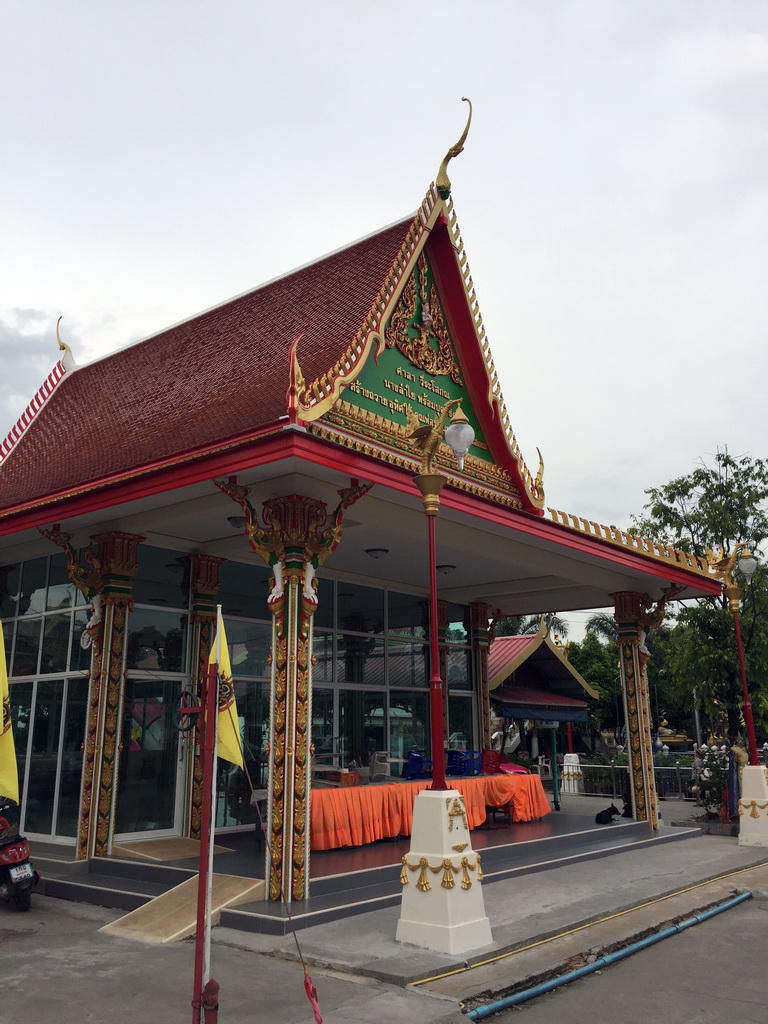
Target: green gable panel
<point>418,366</point>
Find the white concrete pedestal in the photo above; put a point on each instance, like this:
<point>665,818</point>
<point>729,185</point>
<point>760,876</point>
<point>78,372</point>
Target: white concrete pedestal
<point>572,780</point>
<point>753,806</point>
<point>442,906</point>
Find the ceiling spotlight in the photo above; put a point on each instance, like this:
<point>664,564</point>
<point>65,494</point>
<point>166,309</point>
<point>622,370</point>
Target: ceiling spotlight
<point>237,522</point>
<point>445,569</point>
<point>377,552</point>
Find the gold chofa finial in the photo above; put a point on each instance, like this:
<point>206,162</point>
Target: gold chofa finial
<point>67,360</point>
<point>443,182</point>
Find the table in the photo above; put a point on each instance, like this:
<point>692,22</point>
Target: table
<point>362,814</point>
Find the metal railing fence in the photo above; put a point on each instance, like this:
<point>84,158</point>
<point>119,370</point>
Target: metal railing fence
<point>673,783</point>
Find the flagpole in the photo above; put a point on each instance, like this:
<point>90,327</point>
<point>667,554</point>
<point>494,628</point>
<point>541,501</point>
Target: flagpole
<point>209,887</point>
<point>210,704</point>
<point>206,733</point>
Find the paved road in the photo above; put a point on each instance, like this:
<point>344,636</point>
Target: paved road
<point>56,968</point>
<point>713,972</point>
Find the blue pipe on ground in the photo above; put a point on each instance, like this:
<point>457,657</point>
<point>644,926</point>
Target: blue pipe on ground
<point>604,961</point>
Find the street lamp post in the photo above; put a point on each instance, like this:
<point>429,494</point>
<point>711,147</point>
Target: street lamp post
<point>724,567</point>
<point>448,917</point>
<point>753,798</point>
<point>458,435</point>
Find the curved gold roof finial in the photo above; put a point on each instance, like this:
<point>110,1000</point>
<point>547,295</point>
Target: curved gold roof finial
<point>67,360</point>
<point>443,182</point>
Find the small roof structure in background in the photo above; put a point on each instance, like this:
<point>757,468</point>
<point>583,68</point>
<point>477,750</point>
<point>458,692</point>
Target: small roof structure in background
<point>530,676</point>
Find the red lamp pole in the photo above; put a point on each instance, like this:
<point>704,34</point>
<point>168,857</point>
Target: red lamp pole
<point>435,679</point>
<point>724,566</point>
<point>458,436</point>
<point>749,721</point>
<point>430,485</point>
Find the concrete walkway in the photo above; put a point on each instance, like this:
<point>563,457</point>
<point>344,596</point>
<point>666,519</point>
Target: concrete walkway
<point>57,968</point>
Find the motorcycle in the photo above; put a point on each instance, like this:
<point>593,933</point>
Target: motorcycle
<point>17,875</point>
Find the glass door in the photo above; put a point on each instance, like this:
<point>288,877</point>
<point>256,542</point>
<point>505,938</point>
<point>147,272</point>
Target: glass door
<point>49,724</point>
<point>152,760</point>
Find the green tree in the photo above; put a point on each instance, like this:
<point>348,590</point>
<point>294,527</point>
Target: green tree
<point>716,507</point>
<point>518,625</point>
<point>598,663</point>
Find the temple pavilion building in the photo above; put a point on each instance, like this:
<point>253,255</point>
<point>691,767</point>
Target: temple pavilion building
<point>260,456</point>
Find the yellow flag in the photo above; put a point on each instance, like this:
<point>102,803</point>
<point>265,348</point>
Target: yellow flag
<point>9,775</point>
<point>228,727</point>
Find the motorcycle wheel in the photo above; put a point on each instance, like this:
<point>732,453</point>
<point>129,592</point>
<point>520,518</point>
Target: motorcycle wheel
<point>23,900</point>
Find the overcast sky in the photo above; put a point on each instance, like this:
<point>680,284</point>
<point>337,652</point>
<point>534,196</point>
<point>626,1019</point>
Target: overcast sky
<point>164,155</point>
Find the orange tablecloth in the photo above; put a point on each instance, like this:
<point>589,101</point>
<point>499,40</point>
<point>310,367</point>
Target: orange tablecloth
<point>354,815</point>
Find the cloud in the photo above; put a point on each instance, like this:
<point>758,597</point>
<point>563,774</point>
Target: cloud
<point>28,351</point>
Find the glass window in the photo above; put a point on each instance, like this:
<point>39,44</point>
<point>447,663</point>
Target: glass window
<point>72,757</point>
<point>360,609</point>
<point>459,668</point>
<point>322,650</point>
<point>324,616</point>
<point>162,578</point>
<point>80,657</point>
<point>244,590</point>
<point>61,593</point>
<point>322,720</point>
<point>408,723</point>
<point>362,725</point>
<point>146,796</point>
<point>360,659</point>
<point>233,805</point>
<point>10,586</point>
<point>157,640</point>
<point>32,596</point>
<point>408,663</point>
<point>408,615</point>
<point>250,644</point>
<point>8,642</point>
<point>27,644</point>
<point>21,717</point>
<point>56,628</point>
<point>459,624</point>
<point>460,723</point>
<point>44,756</point>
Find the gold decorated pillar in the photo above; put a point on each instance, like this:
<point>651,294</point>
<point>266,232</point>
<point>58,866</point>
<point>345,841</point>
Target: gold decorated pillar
<point>204,586</point>
<point>117,554</point>
<point>481,642</point>
<point>632,620</point>
<point>104,577</point>
<point>296,538</point>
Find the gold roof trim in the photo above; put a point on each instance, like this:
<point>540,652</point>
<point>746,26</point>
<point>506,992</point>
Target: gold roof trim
<point>321,394</point>
<point>372,449</point>
<point>634,543</point>
<point>379,430</point>
<point>534,488</point>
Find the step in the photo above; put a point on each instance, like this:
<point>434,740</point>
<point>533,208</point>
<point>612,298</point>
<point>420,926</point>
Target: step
<point>104,891</point>
<point>332,897</point>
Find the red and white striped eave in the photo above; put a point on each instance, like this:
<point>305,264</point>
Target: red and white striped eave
<point>24,421</point>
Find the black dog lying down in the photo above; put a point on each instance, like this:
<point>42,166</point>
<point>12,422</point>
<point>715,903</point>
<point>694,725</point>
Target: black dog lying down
<point>606,817</point>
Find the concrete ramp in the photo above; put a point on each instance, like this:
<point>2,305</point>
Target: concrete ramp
<point>163,849</point>
<point>173,915</point>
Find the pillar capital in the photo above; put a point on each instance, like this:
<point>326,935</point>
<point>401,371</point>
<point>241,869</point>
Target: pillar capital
<point>480,617</point>
<point>204,584</point>
<point>119,560</point>
<point>629,607</point>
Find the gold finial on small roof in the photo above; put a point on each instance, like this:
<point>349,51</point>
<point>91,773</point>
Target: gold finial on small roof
<point>443,182</point>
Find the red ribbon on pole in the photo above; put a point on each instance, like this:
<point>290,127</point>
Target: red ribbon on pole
<point>311,991</point>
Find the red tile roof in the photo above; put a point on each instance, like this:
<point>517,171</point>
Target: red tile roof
<point>216,376</point>
<point>526,696</point>
<point>506,649</point>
